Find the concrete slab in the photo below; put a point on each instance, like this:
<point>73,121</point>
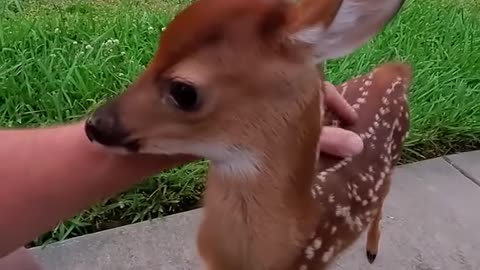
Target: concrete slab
<point>468,163</point>
<point>163,244</point>
<point>431,223</point>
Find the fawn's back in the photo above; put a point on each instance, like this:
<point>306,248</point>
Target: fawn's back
<point>352,190</point>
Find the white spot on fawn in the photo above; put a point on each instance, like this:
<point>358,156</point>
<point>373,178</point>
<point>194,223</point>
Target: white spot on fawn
<point>309,252</point>
<point>379,184</point>
<point>328,254</point>
<point>361,100</point>
<point>385,101</point>
<point>358,223</point>
<point>317,244</point>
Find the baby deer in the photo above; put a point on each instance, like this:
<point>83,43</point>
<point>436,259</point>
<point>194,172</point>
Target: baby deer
<point>235,82</point>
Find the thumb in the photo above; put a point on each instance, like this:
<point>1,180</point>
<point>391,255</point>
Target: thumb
<point>340,142</point>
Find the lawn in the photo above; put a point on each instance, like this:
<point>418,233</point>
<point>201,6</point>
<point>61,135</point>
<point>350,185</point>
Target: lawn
<point>58,61</point>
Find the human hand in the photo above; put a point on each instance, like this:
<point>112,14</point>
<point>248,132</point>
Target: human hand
<point>334,140</point>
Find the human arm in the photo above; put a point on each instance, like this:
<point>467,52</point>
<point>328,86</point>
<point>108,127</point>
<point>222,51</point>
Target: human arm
<point>51,174</point>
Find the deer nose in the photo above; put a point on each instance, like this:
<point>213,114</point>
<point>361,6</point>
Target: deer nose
<point>104,128</point>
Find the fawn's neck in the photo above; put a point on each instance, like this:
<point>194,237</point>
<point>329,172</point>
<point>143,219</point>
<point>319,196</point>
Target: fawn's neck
<point>270,209</point>
<point>281,180</point>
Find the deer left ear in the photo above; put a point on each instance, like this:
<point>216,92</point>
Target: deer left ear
<point>335,28</point>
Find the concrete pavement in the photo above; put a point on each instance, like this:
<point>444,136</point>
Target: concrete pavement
<point>431,222</point>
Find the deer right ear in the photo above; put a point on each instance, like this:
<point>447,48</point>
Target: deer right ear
<point>335,28</point>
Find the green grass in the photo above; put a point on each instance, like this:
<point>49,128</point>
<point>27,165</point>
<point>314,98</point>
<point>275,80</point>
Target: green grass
<point>441,41</point>
<point>58,61</point>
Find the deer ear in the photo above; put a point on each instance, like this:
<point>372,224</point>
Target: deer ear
<point>335,28</point>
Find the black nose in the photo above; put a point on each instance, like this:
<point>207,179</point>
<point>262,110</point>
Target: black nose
<point>101,131</point>
<point>104,128</point>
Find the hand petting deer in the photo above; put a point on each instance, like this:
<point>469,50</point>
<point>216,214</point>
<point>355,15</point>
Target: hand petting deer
<point>236,82</point>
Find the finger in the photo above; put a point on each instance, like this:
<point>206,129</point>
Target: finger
<point>340,142</point>
<point>338,105</point>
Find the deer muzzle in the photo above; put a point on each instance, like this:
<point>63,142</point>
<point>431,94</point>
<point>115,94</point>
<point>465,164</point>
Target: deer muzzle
<point>103,127</point>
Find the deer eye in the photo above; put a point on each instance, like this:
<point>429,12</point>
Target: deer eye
<point>184,95</point>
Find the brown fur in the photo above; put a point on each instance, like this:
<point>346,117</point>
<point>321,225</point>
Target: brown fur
<point>185,35</point>
<point>310,13</point>
<point>334,186</point>
<point>259,124</point>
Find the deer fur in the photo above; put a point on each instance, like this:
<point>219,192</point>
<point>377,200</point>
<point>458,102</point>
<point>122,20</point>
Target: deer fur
<point>270,201</point>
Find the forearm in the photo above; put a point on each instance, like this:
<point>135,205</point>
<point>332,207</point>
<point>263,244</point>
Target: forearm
<point>48,175</point>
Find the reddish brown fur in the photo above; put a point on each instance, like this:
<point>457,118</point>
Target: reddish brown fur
<point>287,252</point>
<point>226,28</point>
<point>206,22</point>
<point>310,13</point>
<point>260,124</point>
<point>370,164</point>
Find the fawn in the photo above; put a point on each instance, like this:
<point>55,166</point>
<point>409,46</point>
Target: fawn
<point>236,82</point>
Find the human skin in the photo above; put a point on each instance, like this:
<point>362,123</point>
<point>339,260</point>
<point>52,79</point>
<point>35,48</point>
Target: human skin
<point>20,259</point>
<point>338,141</point>
<point>50,174</point>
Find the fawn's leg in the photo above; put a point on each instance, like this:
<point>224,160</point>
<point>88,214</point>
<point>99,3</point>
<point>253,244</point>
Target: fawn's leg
<point>373,237</point>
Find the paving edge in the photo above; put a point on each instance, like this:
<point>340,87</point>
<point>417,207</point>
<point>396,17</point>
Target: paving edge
<point>462,171</point>
<point>163,218</point>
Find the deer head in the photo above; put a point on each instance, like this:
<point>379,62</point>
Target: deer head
<point>231,77</point>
